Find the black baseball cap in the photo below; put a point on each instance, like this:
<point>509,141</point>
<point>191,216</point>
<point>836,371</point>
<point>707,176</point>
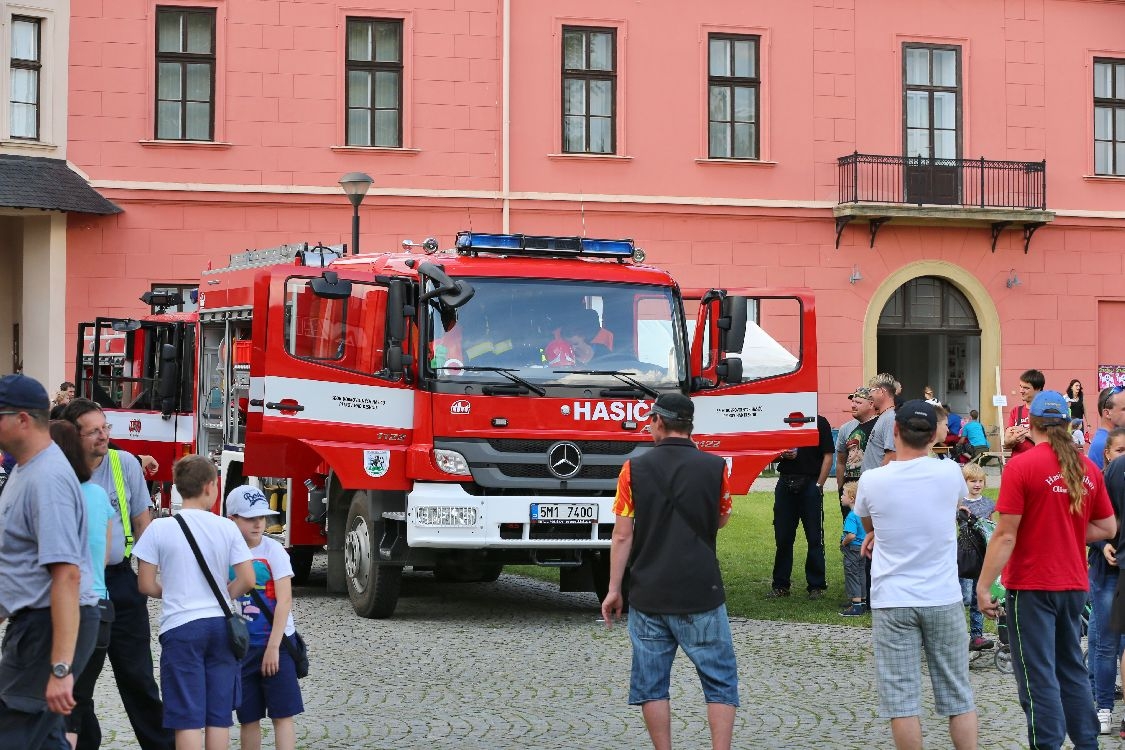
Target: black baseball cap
<point>915,411</point>
<point>675,406</point>
<point>22,392</point>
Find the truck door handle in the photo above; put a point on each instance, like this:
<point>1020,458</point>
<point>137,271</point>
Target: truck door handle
<point>793,420</point>
<point>282,406</point>
<point>256,402</point>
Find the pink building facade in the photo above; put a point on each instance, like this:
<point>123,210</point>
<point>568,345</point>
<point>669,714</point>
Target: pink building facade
<point>711,133</point>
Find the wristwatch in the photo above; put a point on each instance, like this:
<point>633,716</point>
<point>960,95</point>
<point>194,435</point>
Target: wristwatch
<point>60,669</point>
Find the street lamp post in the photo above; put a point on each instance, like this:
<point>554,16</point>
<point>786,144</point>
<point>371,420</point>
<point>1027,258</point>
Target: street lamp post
<point>355,185</point>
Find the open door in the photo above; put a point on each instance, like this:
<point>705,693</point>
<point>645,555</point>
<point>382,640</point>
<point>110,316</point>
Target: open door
<point>330,376</point>
<point>140,372</point>
<point>754,376</point>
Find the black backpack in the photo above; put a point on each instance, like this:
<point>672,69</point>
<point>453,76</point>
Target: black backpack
<point>971,545</point>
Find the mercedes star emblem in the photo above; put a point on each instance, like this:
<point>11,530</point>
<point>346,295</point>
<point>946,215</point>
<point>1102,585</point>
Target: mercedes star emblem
<point>564,460</point>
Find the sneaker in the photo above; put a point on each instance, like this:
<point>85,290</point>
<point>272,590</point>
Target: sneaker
<point>980,643</point>
<point>1105,720</point>
<point>858,609</point>
<point>815,594</point>
<point>776,593</point>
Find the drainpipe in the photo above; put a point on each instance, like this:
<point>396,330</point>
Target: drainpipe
<point>506,125</point>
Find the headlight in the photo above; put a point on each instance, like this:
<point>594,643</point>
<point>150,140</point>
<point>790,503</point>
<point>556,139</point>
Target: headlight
<point>432,515</point>
<point>451,462</point>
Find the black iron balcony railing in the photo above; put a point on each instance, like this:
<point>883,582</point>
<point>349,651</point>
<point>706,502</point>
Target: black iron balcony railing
<point>977,183</point>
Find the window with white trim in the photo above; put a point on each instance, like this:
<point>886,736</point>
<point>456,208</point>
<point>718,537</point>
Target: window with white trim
<point>26,70</point>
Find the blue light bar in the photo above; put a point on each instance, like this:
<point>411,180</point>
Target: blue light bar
<point>525,244</point>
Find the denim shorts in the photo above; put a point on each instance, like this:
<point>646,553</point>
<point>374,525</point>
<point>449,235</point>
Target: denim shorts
<point>704,637</point>
<point>279,696</point>
<point>199,675</point>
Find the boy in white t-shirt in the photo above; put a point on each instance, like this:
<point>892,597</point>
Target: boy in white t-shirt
<point>199,674</point>
<point>269,676</point>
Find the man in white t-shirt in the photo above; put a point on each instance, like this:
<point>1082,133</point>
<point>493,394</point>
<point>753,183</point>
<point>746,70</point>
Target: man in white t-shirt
<point>908,509</point>
<point>199,673</point>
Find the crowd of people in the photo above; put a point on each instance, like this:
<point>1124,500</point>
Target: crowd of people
<point>74,514</point>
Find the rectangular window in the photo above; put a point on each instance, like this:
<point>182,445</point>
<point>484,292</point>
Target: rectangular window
<point>185,291</point>
<point>374,75</point>
<point>932,107</point>
<point>1109,117</point>
<point>26,66</point>
<point>185,74</point>
<point>589,90</point>
<point>732,96</point>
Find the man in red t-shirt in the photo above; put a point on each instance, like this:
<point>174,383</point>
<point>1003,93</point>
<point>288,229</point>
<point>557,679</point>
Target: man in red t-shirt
<point>1052,502</point>
<point>1016,437</point>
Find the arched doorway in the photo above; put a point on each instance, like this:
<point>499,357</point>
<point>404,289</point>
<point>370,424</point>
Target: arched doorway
<point>983,308</point>
<point>929,335</point>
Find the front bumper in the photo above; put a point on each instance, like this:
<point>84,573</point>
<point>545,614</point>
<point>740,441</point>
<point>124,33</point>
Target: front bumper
<point>502,522</point>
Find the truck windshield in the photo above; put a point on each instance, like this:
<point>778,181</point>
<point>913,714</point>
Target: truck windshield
<point>555,332</point>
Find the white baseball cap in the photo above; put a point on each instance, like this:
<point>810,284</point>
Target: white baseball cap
<point>247,502</point>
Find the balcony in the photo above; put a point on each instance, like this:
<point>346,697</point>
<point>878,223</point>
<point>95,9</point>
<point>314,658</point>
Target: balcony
<point>943,192</point>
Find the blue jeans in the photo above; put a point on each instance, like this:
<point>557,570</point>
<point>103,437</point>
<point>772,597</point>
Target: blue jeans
<point>1104,645</point>
<point>705,638</point>
<point>790,508</point>
<point>969,599</point>
<point>1045,635</point>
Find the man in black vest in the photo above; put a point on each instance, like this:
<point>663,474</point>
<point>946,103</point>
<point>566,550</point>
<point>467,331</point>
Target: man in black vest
<point>670,505</point>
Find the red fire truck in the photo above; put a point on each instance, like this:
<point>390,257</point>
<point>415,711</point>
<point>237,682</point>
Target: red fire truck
<point>457,410</point>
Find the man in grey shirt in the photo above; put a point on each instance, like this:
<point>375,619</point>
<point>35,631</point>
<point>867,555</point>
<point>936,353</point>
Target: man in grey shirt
<point>881,445</point>
<point>46,591</point>
<point>130,648</point>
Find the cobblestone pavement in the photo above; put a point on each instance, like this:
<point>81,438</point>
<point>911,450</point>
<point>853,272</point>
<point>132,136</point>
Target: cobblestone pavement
<point>516,664</point>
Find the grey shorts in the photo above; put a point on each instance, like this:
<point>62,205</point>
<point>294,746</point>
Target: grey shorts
<point>900,635</point>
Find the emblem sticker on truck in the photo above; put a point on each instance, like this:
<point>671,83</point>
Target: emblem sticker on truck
<point>460,407</point>
<point>376,462</point>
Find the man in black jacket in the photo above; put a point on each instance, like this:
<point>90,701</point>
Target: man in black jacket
<point>670,505</point>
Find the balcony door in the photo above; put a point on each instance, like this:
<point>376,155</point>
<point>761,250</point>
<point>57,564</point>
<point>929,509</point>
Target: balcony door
<point>931,123</point>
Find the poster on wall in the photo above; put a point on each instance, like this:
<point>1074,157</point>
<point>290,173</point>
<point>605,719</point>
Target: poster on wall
<point>955,365</point>
<point>1110,375</point>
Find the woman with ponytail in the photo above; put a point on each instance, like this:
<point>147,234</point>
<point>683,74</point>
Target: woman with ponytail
<point>1052,502</point>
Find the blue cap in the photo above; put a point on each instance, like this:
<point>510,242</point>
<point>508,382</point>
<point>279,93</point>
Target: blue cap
<point>22,392</point>
<point>1050,405</point>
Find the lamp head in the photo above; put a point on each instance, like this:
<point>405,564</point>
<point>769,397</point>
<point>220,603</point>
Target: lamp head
<point>355,185</point>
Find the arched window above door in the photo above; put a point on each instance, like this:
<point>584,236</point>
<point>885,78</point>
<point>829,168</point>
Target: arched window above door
<point>928,303</point>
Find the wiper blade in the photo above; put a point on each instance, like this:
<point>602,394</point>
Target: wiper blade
<point>647,390</point>
<point>506,372</point>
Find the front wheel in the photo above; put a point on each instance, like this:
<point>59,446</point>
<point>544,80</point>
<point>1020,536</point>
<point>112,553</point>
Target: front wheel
<point>372,588</point>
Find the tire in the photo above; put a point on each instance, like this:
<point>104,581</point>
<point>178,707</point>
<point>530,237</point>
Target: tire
<point>372,588</point>
<point>302,559</point>
<point>1003,659</point>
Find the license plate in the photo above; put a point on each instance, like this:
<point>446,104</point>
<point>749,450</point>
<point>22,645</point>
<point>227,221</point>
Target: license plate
<point>564,512</point>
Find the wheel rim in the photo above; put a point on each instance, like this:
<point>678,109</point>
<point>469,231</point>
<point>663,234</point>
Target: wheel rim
<point>357,555</point>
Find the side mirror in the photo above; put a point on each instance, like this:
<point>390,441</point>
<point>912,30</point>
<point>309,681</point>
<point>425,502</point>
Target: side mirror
<point>169,386</point>
<point>329,285</point>
<point>452,293</point>
<point>396,300</point>
<point>393,359</point>
<point>729,370</point>
<point>732,324</point>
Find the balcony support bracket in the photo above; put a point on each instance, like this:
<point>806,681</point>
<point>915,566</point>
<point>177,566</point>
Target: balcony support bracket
<point>1028,230</point>
<point>997,228</point>
<point>841,222</point>
<point>874,225</point>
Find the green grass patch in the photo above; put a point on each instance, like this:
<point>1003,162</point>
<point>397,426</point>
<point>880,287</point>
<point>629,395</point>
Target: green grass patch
<point>746,550</point>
